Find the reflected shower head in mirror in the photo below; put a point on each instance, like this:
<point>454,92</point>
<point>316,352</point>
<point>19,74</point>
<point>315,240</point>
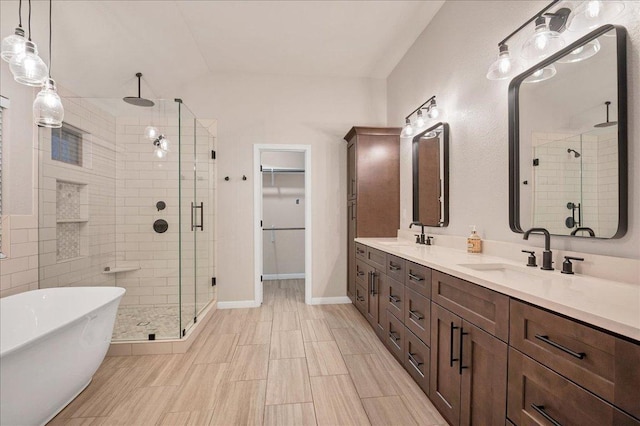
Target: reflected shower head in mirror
<point>576,154</point>
<point>607,123</point>
<point>138,100</point>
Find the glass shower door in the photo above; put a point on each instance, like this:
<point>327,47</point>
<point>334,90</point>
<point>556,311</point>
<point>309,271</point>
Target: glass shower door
<point>204,234</point>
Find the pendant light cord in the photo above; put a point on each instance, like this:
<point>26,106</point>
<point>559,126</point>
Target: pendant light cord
<point>50,13</point>
<point>29,20</point>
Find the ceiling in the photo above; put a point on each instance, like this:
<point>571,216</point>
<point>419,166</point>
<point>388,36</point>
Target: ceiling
<point>98,46</point>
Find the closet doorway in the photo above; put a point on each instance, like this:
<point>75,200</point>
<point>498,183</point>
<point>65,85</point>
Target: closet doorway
<point>282,206</point>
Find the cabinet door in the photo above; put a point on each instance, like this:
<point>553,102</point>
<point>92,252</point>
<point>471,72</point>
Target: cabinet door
<point>484,377</point>
<point>444,377</point>
<point>351,171</point>
<point>351,251</point>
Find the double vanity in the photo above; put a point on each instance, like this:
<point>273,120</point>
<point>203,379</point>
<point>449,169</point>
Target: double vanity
<point>488,339</point>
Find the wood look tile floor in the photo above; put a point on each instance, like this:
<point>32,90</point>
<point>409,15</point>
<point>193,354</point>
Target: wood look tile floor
<point>285,363</point>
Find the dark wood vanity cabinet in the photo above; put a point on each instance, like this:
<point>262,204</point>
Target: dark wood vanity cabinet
<point>373,188</point>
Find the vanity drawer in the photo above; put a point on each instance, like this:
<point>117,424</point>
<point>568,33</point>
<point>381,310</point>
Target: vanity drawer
<point>361,251</point>
<point>362,273</point>
<point>600,362</point>
<point>361,299</point>
<point>393,297</point>
<point>395,267</point>
<point>534,389</point>
<point>418,278</point>
<point>395,336</point>
<point>376,258</point>
<point>417,314</point>
<point>416,360</point>
<point>480,306</point>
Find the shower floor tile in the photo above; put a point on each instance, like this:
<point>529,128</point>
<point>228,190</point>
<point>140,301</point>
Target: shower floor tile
<point>137,322</point>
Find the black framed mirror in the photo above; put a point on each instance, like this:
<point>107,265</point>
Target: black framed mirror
<point>431,176</point>
<point>568,140</point>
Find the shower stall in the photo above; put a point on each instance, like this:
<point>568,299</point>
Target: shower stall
<point>127,198</point>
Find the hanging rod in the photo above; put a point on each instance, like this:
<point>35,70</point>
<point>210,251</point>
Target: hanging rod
<point>265,169</point>
<point>283,229</point>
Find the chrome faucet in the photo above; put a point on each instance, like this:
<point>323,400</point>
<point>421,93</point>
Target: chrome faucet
<point>547,260</point>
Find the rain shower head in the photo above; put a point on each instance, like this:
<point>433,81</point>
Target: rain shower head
<point>607,123</point>
<point>137,100</point>
<point>576,154</point>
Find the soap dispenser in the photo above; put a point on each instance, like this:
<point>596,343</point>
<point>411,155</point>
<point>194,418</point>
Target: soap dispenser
<point>474,242</point>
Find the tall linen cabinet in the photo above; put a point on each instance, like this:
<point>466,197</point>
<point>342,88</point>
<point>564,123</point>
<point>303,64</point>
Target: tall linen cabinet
<point>373,188</point>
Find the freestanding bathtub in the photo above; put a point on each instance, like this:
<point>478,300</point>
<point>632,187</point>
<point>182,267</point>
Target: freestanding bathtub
<point>52,341</point>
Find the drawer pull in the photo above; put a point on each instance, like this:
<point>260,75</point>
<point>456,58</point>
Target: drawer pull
<point>359,251</point>
<point>540,410</point>
<point>393,267</point>
<point>394,336</point>
<point>360,273</point>
<point>394,299</point>
<point>360,298</point>
<point>415,277</point>
<point>417,315</point>
<point>579,355</point>
<point>415,363</point>
<point>460,366</point>
<point>451,358</point>
<point>372,281</point>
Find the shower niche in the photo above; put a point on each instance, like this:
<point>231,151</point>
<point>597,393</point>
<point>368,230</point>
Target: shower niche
<point>99,187</point>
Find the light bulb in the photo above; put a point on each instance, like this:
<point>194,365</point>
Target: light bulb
<point>151,132</point>
<point>434,112</point>
<point>593,9</point>
<point>164,143</point>
<point>504,67</point>
<point>543,42</point>
<point>408,129</point>
<point>47,107</point>
<point>591,14</point>
<point>159,153</point>
<point>581,53</point>
<point>420,119</point>
<point>13,44</point>
<point>27,67</point>
<point>541,74</point>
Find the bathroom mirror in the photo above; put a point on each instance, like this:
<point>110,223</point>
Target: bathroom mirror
<point>431,176</point>
<point>568,140</point>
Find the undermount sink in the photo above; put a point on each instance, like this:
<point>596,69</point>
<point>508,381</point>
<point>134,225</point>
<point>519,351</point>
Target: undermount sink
<point>504,270</point>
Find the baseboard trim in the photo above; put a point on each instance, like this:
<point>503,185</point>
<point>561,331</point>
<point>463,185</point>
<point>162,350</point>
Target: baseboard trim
<point>330,300</point>
<point>283,276</point>
<point>236,304</point>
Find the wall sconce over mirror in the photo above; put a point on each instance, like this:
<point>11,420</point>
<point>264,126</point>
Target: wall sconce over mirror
<point>431,176</point>
<point>410,127</point>
<point>568,141</point>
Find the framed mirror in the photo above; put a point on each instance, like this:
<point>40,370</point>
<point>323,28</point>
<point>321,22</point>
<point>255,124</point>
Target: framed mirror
<point>431,176</point>
<point>568,140</point>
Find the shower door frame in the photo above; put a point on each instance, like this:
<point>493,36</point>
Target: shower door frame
<point>258,149</point>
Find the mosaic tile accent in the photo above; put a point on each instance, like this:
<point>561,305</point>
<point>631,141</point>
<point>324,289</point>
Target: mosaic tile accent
<point>67,201</point>
<point>137,322</point>
<point>67,240</point>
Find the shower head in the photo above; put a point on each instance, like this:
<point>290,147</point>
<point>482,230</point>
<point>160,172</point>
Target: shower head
<point>576,154</point>
<point>137,100</point>
<point>607,123</point>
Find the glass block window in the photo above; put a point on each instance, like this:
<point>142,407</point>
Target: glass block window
<point>66,144</point>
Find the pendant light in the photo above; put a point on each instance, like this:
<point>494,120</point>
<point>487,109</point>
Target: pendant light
<point>543,42</point>
<point>26,66</point>
<point>505,66</point>
<point>419,119</point>
<point>47,107</point>
<point>591,14</point>
<point>408,129</point>
<point>542,74</point>
<point>14,43</point>
<point>433,111</point>
<point>581,53</point>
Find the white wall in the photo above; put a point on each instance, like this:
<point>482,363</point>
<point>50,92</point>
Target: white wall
<point>450,59</point>
<point>268,109</point>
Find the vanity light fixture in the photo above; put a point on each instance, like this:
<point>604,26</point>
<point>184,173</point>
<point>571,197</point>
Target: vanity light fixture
<point>505,66</point>
<point>591,14</point>
<point>542,74</point>
<point>543,42</point>
<point>432,112</point>
<point>14,43</point>
<point>27,67</point>
<point>161,144</point>
<point>47,107</point>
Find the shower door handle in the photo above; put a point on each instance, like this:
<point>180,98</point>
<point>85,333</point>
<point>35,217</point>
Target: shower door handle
<point>194,207</point>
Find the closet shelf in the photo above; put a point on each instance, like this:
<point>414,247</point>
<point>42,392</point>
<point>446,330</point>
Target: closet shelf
<point>266,169</point>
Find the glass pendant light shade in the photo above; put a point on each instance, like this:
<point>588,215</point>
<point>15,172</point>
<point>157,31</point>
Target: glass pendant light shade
<point>164,143</point>
<point>434,112</point>
<point>159,153</point>
<point>581,53</point>
<point>27,67</point>
<point>151,132</point>
<point>505,66</point>
<point>542,74</point>
<point>543,42</point>
<point>47,107</point>
<point>420,119</point>
<point>408,129</point>
<point>13,44</point>
<point>591,14</point>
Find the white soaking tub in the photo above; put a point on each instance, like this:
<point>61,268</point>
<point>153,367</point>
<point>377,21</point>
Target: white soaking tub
<point>52,341</point>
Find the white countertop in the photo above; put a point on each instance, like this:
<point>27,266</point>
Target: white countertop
<point>610,305</point>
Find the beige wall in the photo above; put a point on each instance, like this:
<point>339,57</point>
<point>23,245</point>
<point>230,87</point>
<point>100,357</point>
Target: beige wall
<point>457,48</point>
<point>267,109</point>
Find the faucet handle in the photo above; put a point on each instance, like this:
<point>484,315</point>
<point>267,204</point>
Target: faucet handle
<point>531,261</point>
<point>567,266</point>
<point>417,238</point>
<point>428,240</point>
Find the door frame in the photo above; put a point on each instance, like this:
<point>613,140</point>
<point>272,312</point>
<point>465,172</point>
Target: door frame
<point>258,149</point>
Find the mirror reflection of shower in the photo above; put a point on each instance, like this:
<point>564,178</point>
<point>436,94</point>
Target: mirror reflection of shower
<point>576,154</point>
